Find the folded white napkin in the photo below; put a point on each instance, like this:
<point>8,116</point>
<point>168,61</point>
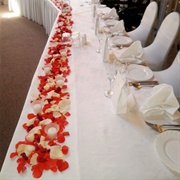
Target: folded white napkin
<point>94,11</point>
<point>105,53</point>
<point>95,1</point>
<point>161,102</point>
<point>96,25</point>
<point>119,27</point>
<point>132,52</point>
<point>111,14</point>
<point>123,101</point>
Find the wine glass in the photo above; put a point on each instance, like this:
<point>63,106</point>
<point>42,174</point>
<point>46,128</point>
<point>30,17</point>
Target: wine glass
<point>123,67</point>
<point>111,71</point>
<point>100,36</point>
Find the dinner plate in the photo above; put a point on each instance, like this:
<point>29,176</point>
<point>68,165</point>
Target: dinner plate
<point>111,22</point>
<point>132,60</point>
<point>121,40</point>
<point>168,148</point>
<point>101,6</point>
<point>136,72</point>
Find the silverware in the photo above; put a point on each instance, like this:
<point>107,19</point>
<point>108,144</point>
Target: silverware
<point>144,83</point>
<point>139,85</point>
<point>164,127</point>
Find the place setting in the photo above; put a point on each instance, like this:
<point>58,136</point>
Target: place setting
<point>160,112</point>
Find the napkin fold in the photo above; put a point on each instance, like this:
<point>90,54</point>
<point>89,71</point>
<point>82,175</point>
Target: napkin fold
<point>123,101</point>
<point>161,102</point>
<point>105,52</point>
<point>111,14</point>
<point>95,1</point>
<point>96,25</point>
<point>134,51</point>
<point>119,27</point>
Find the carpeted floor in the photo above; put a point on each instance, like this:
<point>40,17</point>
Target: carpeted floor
<point>21,45</point>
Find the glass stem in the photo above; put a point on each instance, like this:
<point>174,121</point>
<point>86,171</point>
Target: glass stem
<point>110,85</point>
<point>99,45</point>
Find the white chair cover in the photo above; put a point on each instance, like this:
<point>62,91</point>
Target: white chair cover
<point>156,53</point>
<point>142,32</point>
<point>171,76</point>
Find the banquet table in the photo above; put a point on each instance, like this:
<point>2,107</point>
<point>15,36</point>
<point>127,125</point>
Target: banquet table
<point>103,145</point>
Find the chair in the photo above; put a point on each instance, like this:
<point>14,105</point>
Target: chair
<point>171,76</point>
<point>142,32</point>
<point>132,11</point>
<point>156,53</point>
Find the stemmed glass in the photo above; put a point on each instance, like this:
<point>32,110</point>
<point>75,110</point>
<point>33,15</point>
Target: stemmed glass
<point>111,74</point>
<point>100,36</point>
<point>123,66</point>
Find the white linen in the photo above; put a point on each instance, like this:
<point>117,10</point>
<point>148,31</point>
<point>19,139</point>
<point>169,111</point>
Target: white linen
<point>123,100</point>
<point>133,51</point>
<point>105,51</point>
<point>162,101</point>
<point>119,27</point>
<point>102,144</point>
<point>96,25</point>
<point>111,14</point>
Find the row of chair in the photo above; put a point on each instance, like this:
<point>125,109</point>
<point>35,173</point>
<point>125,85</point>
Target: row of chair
<point>131,11</point>
<point>157,52</point>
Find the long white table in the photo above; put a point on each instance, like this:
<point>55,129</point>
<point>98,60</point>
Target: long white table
<point>102,144</point>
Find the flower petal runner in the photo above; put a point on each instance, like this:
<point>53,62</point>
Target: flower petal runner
<point>44,147</point>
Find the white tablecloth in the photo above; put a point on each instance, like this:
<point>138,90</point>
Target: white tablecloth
<point>102,144</point>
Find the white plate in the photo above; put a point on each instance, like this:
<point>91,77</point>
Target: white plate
<point>111,22</point>
<point>138,72</point>
<point>132,60</point>
<point>101,6</point>
<point>168,148</point>
<point>121,40</point>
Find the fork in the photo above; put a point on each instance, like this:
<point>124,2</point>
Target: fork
<point>164,127</point>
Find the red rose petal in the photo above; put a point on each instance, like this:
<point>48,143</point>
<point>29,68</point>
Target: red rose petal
<point>62,165</point>
<point>65,150</point>
<point>21,167</point>
<point>12,155</point>
<point>57,63</point>
<point>37,173</point>
<point>30,116</point>
<point>54,169</point>
<point>61,138</point>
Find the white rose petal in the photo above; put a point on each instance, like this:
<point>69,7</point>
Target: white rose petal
<point>59,82</point>
<point>30,135</point>
<point>55,152</point>
<point>30,121</point>
<point>56,114</point>
<point>24,148</point>
<point>45,121</point>
<point>59,77</point>
<point>44,143</point>
<point>52,94</point>
<point>47,86</point>
<point>33,160</point>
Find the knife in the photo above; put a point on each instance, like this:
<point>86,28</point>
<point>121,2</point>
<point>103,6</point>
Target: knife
<point>144,83</point>
<point>164,127</point>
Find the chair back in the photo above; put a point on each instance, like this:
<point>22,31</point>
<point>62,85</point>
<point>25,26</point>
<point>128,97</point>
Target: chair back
<point>156,53</point>
<point>142,32</point>
<point>171,75</point>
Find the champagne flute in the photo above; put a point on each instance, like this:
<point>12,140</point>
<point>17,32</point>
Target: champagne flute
<point>123,68</point>
<point>111,71</point>
<point>100,36</point>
